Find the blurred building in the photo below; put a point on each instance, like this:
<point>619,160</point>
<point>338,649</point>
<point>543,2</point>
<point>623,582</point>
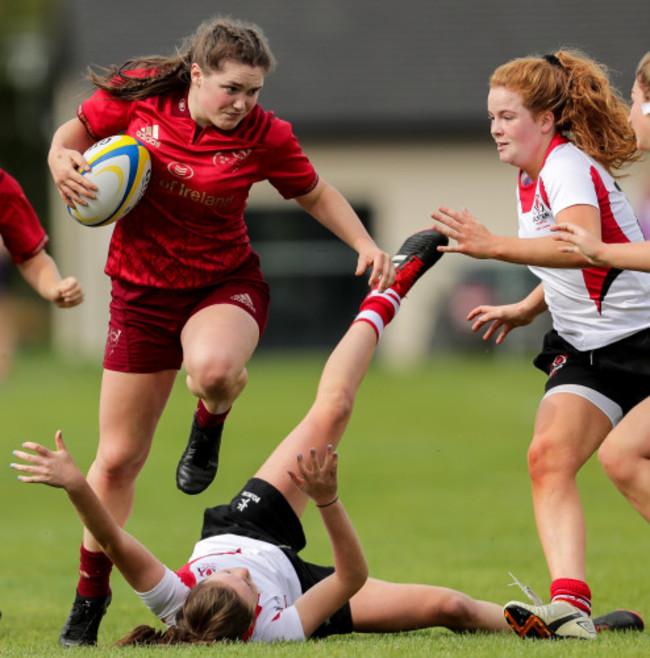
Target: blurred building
<point>389,102</point>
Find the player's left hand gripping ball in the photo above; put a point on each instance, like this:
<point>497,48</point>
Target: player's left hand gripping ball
<point>121,169</point>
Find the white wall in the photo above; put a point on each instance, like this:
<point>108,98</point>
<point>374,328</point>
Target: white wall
<point>402,184</point>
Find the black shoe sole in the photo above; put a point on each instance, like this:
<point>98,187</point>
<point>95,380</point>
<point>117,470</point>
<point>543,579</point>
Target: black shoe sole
<point>527,625</point>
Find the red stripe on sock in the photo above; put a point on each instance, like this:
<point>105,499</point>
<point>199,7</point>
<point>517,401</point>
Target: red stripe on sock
<point>575,592</point>
<point>378,303</point>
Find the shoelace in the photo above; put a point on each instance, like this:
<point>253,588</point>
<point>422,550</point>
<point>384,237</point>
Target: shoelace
<point>409,271</point>
<point>525,589</point>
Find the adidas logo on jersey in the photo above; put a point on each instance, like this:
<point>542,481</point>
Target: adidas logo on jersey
<point>149,135</point>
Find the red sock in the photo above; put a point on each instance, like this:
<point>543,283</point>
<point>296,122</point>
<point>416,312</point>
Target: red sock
<point>575,592</point>
<point>378,309</point>
<point>205,419</point>
<point>95,573</point>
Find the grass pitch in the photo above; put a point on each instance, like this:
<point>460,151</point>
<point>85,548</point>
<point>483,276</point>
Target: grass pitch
<point>432,472</point>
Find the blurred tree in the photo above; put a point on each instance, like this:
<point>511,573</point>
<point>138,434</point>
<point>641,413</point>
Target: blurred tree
<point>31,50</point>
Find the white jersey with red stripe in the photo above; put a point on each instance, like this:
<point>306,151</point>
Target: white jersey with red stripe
<point>595,306</point>
<point>276,618</point>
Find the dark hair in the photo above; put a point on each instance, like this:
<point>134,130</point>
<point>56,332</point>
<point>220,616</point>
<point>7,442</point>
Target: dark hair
<point>643,74</point>
<point>210,613</point>
<point>577,90</point>
<point>214,42</point>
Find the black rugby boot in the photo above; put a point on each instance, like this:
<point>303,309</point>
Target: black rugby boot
<point>82,625</point>
<point>200,459</point>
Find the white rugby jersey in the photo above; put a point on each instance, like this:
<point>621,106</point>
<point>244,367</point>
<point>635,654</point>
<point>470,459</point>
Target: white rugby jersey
<point>594,306</point>
<point>276,618</point>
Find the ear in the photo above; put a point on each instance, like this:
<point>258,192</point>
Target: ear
<point>196,74</point>
<point>547,121</point>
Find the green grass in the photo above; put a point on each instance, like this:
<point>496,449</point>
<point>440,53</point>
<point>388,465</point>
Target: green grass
<point>432,472</point>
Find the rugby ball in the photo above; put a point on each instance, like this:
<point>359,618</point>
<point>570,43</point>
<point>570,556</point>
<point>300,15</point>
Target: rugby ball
<point>120,166</point>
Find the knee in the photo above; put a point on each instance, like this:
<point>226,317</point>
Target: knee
<point>454,610</point>
<point>547,459</point>
<point>617,465</point>
<point>216,378</point>
<point>117,470</point>
<point>538,462</point>
<point>607,458</point>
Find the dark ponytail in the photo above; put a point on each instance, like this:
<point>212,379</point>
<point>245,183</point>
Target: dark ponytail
<point>214,42</point>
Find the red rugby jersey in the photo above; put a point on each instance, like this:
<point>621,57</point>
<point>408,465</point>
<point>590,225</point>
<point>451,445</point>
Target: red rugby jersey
<point>20,228</point>
<point>188,231</point>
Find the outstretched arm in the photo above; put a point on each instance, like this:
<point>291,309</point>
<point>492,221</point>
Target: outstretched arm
<point>56,468</point>
<point>43,276</point>
<point>329,207</point>
<point>320,602</point>
<point>474,239</point>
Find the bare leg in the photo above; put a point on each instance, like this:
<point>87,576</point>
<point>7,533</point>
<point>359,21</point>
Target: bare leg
<point>625,457</point>
<point>218,342</point>
<point>345,369</point>
<point>328,417</point>
<point>378,606</point>
<point>130,408</point>
<point>382,607</point>
<point>568,430</point>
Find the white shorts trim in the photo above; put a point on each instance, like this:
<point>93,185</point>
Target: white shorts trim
<point>610,408</point>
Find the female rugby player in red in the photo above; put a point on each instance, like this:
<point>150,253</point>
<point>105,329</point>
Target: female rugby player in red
<point>25,239</point>
<point>186,286</point>
<point>559,121</point>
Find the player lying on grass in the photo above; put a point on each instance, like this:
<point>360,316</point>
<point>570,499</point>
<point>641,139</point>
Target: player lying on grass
<point>245,579</point>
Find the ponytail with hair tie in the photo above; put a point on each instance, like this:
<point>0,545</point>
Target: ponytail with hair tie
<point>553,59</point>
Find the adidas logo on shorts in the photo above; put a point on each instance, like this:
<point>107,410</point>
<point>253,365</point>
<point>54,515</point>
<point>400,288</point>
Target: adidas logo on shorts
<point>244,299</point>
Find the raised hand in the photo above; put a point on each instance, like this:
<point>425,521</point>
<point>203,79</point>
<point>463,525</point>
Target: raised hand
<point>318,481</point>
<point>55,468</point>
